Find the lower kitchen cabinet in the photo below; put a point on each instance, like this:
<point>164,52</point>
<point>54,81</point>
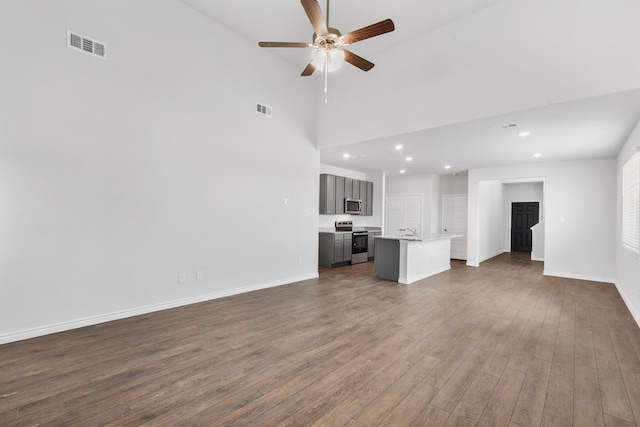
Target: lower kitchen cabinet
<point>334,249</point>
<point>372,243</point>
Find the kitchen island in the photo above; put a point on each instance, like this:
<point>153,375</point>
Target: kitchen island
<point>407,259</point>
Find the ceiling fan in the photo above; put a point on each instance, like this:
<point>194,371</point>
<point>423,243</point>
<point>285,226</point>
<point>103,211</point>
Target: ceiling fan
<point>328,43</point>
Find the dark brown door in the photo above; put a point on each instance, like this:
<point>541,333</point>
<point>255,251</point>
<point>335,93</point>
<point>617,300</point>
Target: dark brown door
<point>524,215</point>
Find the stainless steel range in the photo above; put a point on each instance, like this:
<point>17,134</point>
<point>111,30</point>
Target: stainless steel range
<point>359,241</point>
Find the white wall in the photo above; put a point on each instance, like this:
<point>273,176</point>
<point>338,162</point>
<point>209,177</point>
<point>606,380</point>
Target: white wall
<point>425,184</point>
<point>374,220</point>
<point>117,175</point>
<point>580,215</point>
<point>490,220</point>
<point>454,184</point>
<point>627,265</point>
<point>450,184</point>
<point>484,65</point>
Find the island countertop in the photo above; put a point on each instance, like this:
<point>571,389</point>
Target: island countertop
<point>408,258</point>
<point>419,238</point>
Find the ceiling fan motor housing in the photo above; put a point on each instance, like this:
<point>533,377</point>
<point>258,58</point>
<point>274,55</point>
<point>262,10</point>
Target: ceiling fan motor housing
<point>329,41</point>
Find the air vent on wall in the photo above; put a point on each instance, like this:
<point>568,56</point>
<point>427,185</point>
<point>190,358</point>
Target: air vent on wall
<point>502,127</point>
<point>86,45</point>
<point>264,110</point>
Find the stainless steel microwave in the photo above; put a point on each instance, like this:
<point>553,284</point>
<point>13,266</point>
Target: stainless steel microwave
<point>352,206</point>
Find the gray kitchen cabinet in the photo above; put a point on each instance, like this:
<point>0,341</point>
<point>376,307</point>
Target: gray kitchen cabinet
<point>347,248</point>
<point>339,195</point>
<point>356,189</point>
<point>338,249</point>
<point>334,249</point>
<point>387,263</point>
<point>334,189</point>
<point>348,187</point>
<point>328,194</point>
<point>372,244</point>
<point>368,206</point>
<point>342,248</point>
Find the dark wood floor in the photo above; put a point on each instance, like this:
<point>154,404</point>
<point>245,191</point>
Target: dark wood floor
<point>497,345</point>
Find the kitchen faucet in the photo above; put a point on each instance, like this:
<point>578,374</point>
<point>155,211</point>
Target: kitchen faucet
<point>413,231</point>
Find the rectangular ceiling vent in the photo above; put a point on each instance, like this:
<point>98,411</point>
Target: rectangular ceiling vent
<point>86,45</point>
<point>503,127</point>
<point>264,110</point>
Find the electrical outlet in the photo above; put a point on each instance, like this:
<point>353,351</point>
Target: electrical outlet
<point>300,260</point>
<point>200,275</point>
<point>182,278</point>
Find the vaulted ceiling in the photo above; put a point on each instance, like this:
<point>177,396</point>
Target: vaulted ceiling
<point>457,80</point>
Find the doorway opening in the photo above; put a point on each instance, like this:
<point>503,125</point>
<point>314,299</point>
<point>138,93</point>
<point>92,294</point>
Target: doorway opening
<point>524,215</point>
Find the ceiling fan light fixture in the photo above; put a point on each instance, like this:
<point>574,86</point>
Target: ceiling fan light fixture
<point>335,57</point>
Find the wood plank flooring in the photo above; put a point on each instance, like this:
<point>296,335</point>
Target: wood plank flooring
<point>498,345</point>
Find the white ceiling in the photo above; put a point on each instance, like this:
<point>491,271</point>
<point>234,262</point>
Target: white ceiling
<point>286,21</point>
<point>591,127</point>
<point>588,128</point>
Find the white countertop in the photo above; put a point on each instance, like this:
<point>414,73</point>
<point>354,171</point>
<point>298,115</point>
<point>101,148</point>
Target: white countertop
<point>419,238</point>
<point>332,230</point>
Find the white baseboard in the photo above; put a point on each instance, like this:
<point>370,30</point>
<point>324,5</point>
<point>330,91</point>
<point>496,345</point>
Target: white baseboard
<point>492,256</point>
<point>579,276</point>
<point>537,258</point>
<point>94,320</point>
<point>627,302</point>
<point>413,279</point>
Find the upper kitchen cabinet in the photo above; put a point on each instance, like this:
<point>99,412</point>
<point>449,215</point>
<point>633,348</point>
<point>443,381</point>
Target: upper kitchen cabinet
<point>339,195</point>
<point>328,194</point>
<point>334,189</point>
<point>356,189</point>
<point>368,202</point>
<point>348,188</point>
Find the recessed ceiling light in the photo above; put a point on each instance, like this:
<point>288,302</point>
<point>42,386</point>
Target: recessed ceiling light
<point>399,147</point>
<point>524,133</point>
<point>346,155</point>
<point>408,159</point>
<point>402,170</point>
<point>447,167</point>
<point>536,155</point>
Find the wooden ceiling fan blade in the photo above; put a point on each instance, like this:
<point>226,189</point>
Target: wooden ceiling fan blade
<point>309,69</point>
<point>315,16</point>
<point>282,44</point>
<point>357,61</point>
<point>372,30</point>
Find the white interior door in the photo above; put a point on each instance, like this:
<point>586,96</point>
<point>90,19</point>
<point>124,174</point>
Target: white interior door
<point>402,212</point>
<point>454,220</point>
<point>413,209</point>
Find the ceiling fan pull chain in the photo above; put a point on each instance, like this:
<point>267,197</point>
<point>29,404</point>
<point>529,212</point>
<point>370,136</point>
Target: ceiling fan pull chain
<point>326,77</point>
